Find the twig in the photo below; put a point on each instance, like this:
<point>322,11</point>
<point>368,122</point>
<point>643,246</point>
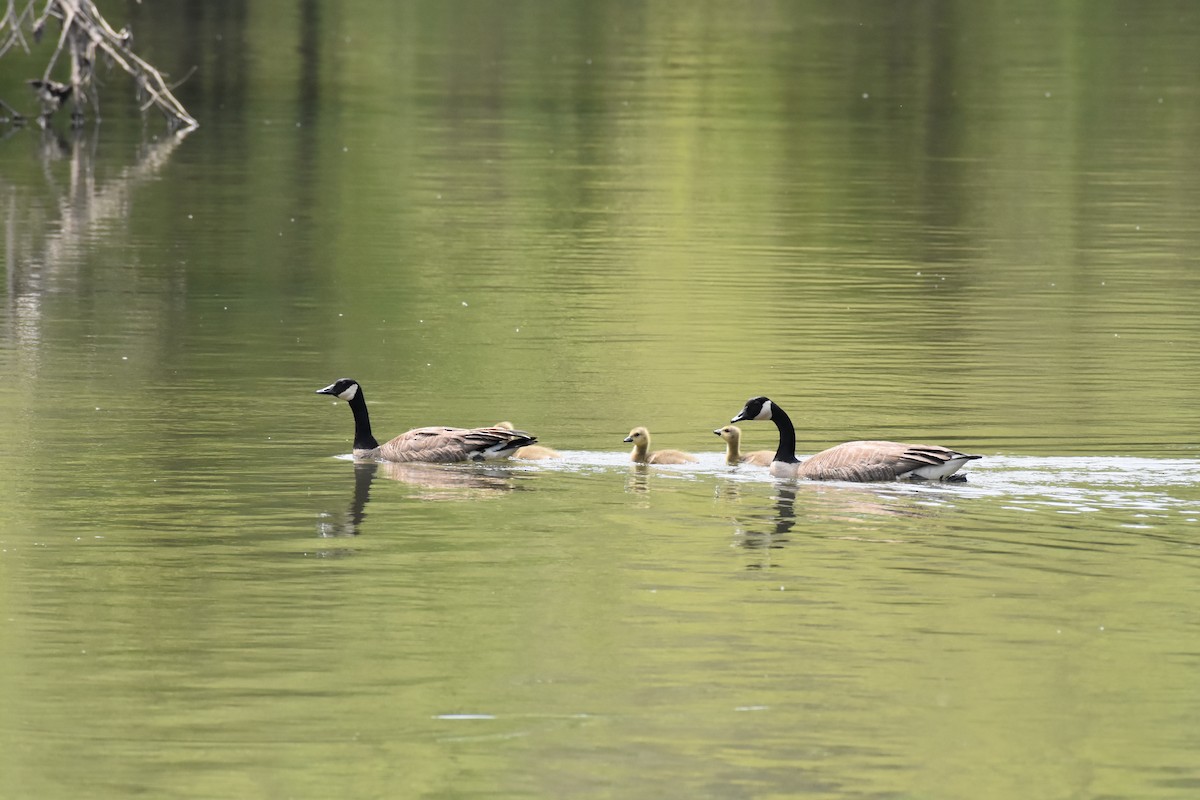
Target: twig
<point>14,116</point>
<point>84,30</point>
<point>13,21</point>
<point>62,39</point>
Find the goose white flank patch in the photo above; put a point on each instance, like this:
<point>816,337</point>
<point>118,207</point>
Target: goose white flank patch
<point>853,461</point>
<point>431,444</point>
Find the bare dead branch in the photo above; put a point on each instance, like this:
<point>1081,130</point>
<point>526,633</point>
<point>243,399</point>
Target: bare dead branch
<point>83,32</point>
<point>62,40</point>
<point>12,116</point>
<point>12,22</point>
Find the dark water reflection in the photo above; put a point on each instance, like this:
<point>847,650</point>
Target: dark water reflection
<point>839,509</point>
<point>427,481</point>
<point>771,531</point>
<point>348,524</point>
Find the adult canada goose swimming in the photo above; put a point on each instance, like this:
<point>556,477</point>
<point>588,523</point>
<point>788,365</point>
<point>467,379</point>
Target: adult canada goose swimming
<point>732,435</point>
<point>433,444</point>
<point>641,450</point>
<point>532,452</point>
<point>853,461</point>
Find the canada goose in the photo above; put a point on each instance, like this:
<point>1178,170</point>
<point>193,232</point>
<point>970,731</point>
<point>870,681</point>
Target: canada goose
<point>641,446</point>
<point>853,461</point>
<point>435,444</point>
<point>732,435</point>
<point>533,452</point>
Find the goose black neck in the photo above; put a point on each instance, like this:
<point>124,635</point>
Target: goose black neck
<point>787,436</point>
<point>363,440</point>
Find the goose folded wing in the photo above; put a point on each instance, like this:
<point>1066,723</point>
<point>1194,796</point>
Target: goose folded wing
<point>445,445</point>
<point>479,439</point>
<point>868,461</point>
<point>931,454</point>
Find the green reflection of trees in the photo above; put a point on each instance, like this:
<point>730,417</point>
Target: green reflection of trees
<point>896,187</point>
<point>820,158</point>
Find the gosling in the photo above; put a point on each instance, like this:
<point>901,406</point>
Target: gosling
<point>732,435</point>
<point>641,450</point>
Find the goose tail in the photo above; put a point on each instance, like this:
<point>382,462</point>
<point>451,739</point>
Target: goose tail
<point>503,443</point>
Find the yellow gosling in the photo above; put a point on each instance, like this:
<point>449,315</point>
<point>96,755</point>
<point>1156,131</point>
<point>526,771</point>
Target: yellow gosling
<point>641,453</point>
<point>732,435</point>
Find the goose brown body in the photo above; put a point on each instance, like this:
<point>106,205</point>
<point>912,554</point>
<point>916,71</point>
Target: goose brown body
<point>641,453</point>
<point>871,460</point>
<point>432,444</point>
<point>447,445</point>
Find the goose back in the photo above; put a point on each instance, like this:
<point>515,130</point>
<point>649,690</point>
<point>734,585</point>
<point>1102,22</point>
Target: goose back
<point>446,445</point>
<point>878,461</point>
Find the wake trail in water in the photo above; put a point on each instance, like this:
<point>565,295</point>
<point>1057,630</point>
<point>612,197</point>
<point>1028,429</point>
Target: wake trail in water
<point>1073,483</point>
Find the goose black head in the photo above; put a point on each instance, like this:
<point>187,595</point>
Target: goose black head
<point>345,388</point>
<point>755,408</point>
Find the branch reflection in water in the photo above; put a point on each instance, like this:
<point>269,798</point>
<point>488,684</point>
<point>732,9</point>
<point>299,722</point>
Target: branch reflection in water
<point>431,481</point>
<point>37,262</point>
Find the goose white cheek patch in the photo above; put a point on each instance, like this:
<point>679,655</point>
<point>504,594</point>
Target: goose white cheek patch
<point>765,412</point>
<point>350,393</point>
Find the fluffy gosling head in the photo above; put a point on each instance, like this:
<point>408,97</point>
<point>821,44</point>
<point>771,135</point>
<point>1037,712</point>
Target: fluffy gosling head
<point>730,433</point>
<point>639,436</point>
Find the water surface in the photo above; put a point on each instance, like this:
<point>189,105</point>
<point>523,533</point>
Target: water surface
<point>966,225</point>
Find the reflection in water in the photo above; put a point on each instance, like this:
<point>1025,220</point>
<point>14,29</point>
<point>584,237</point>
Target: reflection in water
<point>351,520</point>
<point>778,523</point>
<point>727,491</point>
<point>35,259</point>
<point>825,504</point>
<point>432,481</point>
<point>638,481</point>
<point>785,510</point>
<point>450,481</point>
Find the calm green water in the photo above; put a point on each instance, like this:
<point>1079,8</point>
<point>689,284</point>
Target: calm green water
<point>958,223</point>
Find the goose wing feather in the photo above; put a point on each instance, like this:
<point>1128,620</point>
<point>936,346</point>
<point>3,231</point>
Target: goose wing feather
<point>444,445</point>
